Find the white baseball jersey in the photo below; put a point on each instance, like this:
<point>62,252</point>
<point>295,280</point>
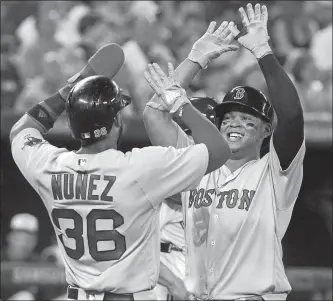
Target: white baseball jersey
<point>172,231</point>
<point>105,207</point>
<point>234,223</point>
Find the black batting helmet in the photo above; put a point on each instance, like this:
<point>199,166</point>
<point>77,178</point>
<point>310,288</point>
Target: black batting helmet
<point>246,99</point>
<point>206,106</point>
<point>92,105</point>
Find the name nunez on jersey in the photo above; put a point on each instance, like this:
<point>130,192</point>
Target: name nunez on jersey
<point>231,198</point>
<point>81,186</point>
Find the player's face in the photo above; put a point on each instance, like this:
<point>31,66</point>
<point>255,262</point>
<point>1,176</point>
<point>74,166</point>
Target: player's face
<point>243,132</point>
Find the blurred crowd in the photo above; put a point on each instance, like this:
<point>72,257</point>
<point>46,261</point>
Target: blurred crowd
<point>45,42</point>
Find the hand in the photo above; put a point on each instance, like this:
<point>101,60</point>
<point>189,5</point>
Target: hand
<point>171,94</point>
<point>212,44</point>
<point>254,35</point>
<point>178,291</point>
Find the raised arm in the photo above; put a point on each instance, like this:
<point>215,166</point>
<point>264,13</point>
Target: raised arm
<point>106,61</point>
<point>289,133</point>
<point>173,99</point>
<point>161,129</point>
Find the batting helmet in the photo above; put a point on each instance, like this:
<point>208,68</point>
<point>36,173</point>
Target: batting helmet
<point>246,99</point>
<point>206,106</point>
<point>92,105</point>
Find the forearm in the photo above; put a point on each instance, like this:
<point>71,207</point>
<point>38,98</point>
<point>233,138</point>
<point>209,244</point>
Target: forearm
<point>41,117</point>
<point>51,107</point>
<point>204,131</point>
<point>161,129</point>
<point>289,133</point>
<point>283,94</point>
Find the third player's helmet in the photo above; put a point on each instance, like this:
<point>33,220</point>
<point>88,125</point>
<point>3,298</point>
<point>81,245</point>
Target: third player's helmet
<point>246,99</point>
<point>92,106</point>
<point>206,106</point>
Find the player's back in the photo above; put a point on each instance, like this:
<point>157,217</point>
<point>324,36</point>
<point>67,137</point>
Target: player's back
<point>106,226</point>
<point>105,206</point>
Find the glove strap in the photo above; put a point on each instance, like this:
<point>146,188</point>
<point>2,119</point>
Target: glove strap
<point>261,50</point>
<point>178,104</point>
<point>155,106</point>
<point>196,57</point>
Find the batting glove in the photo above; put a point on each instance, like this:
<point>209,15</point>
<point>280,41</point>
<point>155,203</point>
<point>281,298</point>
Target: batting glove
<point>254,35</point>
<point>171,94</point>
<point>212,44</point>
<point>107,61</point>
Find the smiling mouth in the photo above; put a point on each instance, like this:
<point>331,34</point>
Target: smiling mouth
<point>233,137</point>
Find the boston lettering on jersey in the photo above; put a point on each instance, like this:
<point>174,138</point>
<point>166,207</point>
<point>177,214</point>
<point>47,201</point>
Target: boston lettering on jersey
<point>81,186</point>
<point>231,198</point>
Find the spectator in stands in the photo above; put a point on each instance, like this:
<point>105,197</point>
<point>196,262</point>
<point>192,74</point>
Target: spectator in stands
<point>52,253</point>
<point>321,48</point>
<point>11,81</point>
<point>21,242</point>
<point>22,239</point>
<point>310,84</point>
<point>43,85</point>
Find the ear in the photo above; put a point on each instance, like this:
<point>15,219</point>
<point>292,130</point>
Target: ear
<point>267,129</point>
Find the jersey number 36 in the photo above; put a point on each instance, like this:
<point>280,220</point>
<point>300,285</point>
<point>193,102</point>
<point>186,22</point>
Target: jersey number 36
<point>93,235</point>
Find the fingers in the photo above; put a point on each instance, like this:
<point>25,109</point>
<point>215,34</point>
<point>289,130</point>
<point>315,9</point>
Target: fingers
<point>151,82</point>
<point>230,37</point>
<point>225,32</point>
<point>171,70</point>
<point>250,12</point>
<point>221,28</point>
<point>264,14</point>
<point>162,76</point>
<point>257,12</point>
<point>155,76</point>
<point>211,27</point>
<point>243,16</point>
<point>233,29</point>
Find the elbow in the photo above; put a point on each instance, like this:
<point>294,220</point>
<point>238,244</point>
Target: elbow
<point>294,118</point>
<point>14,131</point>
<point>218,156</point>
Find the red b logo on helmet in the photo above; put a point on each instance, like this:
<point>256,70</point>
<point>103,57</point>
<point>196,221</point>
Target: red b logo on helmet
<point>239,93</point>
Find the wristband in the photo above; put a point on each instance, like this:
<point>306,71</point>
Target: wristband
<point>43,116</point>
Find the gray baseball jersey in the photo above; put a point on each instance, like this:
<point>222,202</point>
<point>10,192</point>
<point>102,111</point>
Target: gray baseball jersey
<point>105,207</point>
<point>234,223</point>
<point>172,231</point>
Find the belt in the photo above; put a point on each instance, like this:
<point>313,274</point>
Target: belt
<point>167,247</point>
<point>73,293</point>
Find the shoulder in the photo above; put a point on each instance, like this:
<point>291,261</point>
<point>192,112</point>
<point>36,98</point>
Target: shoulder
<point>152,153</point>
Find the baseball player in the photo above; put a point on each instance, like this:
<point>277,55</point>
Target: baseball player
<point>170,285</point>
<point>172,260</point>
<point>237,216</point>
<point>104,204</point>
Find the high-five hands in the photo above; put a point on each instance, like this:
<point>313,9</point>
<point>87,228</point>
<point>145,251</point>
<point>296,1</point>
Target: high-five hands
<point>212,44</point>
<point>171,95</point>
<point>254,35</point>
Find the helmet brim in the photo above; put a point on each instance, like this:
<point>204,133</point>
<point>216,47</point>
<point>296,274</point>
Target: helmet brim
<point>230,106</point>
